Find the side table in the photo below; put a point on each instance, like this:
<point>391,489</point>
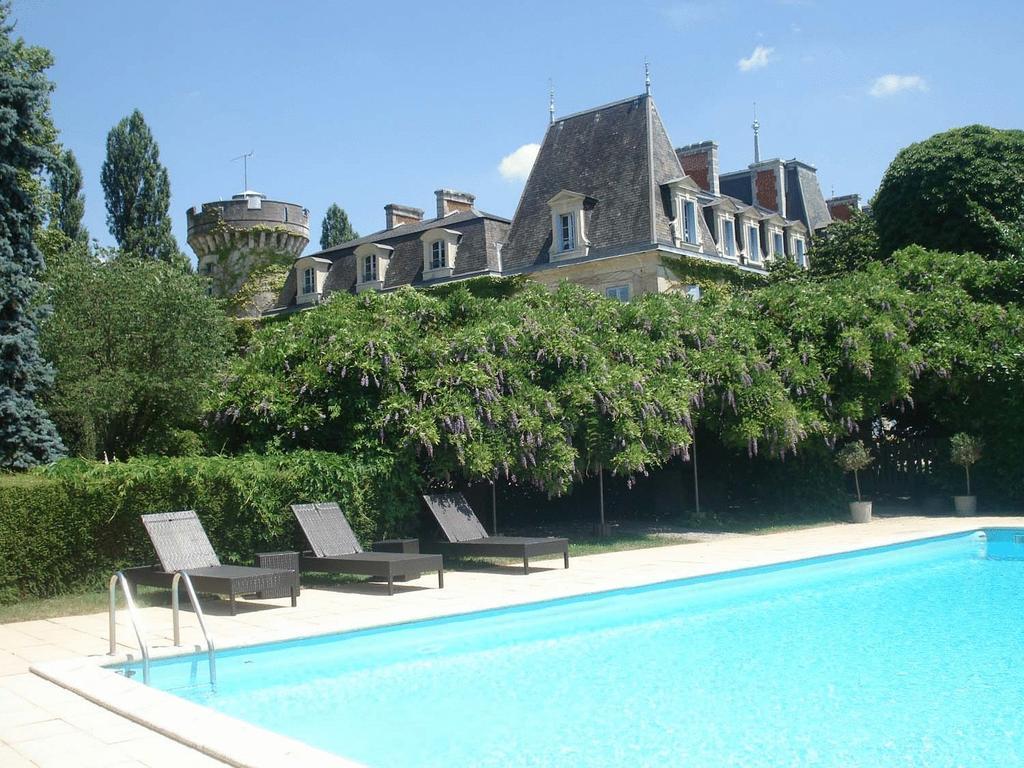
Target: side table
<point>408,546</point>
<point>284,561</point>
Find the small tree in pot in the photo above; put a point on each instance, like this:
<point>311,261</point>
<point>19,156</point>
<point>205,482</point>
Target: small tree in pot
<point>853,457</point>
<point>964,451</point>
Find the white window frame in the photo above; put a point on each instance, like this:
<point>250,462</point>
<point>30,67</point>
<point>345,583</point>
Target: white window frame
<point>778,243</point>
<point>378,256</point>
<point>727,229</point>
<point>567,213</point>
<point>308,281</point>
<point>566,232</point>
<point>438,255</point>
<point>369,268</point>
<point>691,231</point>
<point>753,248</point>
<point>800,249</point>
<point>622,293</point>
<point>440,252</point>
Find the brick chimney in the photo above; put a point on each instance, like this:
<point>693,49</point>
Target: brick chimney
<point>450,201</point>
<point>396,214</point>
<point>700,163</point>
<point>843,207</point>
<point>768,179</point>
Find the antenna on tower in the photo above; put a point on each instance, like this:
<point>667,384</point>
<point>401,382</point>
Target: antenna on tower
<point>757,127</point>
<point>551,100</point>
<point>245,168</point>
<point>647,77</point>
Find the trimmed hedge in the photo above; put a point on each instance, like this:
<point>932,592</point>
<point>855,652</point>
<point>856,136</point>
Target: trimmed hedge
<point>72,525</point>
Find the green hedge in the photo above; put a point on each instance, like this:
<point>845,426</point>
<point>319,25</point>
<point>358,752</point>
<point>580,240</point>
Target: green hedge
<point>70,526</point>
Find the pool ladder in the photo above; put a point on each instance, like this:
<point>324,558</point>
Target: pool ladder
<point>119,578</point>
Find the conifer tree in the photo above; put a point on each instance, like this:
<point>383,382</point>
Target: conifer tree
<point>336,228</point>
<point>138,192</point>
<point>27,435</point>
<point>68,203</point>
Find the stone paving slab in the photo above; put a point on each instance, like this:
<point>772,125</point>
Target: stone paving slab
<point>42,724</point>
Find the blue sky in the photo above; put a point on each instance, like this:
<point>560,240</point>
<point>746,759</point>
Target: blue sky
<point>369,103</point>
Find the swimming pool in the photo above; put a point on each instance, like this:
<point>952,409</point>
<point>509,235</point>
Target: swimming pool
<point>905,655</point>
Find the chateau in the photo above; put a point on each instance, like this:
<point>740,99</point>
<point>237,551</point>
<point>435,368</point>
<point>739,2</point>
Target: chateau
<point>608,198</point>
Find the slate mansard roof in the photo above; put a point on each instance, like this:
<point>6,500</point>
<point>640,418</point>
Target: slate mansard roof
<point>618,155</point>
<point>477,253</point>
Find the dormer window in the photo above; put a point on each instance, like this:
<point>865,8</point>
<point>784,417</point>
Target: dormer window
<point>778,249</point>
<point>568,236</point>
<point>311,273</point>
<point>728,237</point>
<point>566,233</point>
<point>801,258</point>
<point>690,222</point>
<point>753,243</point>
<point>438,255</point>
<point>372,261</point>
<point>440,252</point>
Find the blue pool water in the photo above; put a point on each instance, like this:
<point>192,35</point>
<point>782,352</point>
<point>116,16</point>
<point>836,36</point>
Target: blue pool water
<point>902,656</point>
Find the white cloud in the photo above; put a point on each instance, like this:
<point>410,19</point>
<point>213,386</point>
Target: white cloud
<point>890,85</point>
<point>761,57</point>
<point>516,167</point>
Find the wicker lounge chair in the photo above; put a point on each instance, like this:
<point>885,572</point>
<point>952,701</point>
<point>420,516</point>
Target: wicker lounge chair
<point>337,550</point>
<point>182,545</point>
<point>467,536</point>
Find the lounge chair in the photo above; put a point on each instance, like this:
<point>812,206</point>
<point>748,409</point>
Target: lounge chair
<point>337,550</point>
<point>182,545</point>
<point>467,536</point>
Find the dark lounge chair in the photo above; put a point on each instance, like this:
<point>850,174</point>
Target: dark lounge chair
<point>337,550</point>
<point>182,545</point>
<point>467,536</point>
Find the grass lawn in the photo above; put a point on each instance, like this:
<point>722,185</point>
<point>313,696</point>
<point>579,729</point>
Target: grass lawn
<point>96,602</point>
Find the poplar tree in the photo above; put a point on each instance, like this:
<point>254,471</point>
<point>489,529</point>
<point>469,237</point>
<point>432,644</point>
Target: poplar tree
<point>27,435</point>
<point>68,202</point>
<point>138,192</point>
<point>336,228</point>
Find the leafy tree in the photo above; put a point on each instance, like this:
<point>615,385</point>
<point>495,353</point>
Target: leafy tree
<point>27,436</point>
<point>137,345</point>
<point>68,202</point>
<point>965,450</point>
<point>336,228</point>
<point>844,246</point>
<point>854,457</point>
<point>961,190</point>
<point>138,192</point>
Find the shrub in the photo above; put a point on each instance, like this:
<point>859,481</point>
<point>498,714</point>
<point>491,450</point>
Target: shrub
<point>853,457</point>
<point>964,451</point>
<point>74,524</point>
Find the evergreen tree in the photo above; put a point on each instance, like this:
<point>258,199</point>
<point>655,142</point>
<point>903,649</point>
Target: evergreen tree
<point>138,192</point>
<point>336,228</point>
<point>27,436</point>
<point>68,203</point>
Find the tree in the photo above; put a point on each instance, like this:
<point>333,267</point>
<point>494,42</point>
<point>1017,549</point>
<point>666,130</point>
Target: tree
<point>68,202</point>
<point>336,228</point>
<point>137,345</point>
<point>138,192</point>
<point>965,450</point>
<point>844,246</point>
<point>854,457</point>
<point>27,436</point>
<point>958,191</point>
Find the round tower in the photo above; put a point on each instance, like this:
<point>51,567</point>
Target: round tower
<point>248,234</point>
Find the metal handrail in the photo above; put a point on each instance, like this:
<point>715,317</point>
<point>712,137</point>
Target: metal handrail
<point>119,577</point>
<point>210,650</point>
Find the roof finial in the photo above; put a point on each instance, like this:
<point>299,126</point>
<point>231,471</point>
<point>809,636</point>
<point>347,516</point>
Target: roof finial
<point>647,77</point>
<point>757,127</point>
<point>551,100</point>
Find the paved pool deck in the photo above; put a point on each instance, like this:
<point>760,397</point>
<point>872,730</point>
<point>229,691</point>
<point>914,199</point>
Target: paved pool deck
<point>45,724</point>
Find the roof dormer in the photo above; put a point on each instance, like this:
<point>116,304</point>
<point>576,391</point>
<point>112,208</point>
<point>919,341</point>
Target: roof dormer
<point>372,260</point>
<point>440,247</point>
<point>568,225</point>
<point>683,192</point>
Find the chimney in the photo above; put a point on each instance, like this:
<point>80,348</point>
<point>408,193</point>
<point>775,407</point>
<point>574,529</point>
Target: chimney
<point>700,163</point>
<point>450,201</point>
<point>768,179</point>
<point>843,207</point>
<point>396,215</point>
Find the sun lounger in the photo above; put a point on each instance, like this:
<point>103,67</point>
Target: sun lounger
<point>337,550</point>
<point>182,545</point>
<point>466,536</point>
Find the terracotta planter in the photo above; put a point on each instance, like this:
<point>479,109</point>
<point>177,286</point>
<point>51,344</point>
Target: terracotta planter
<point>966,506</point>
<point>860,511</point>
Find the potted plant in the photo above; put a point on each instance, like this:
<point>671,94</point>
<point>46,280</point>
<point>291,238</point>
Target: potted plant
<point>853,457</point>
<point>965,450</point>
